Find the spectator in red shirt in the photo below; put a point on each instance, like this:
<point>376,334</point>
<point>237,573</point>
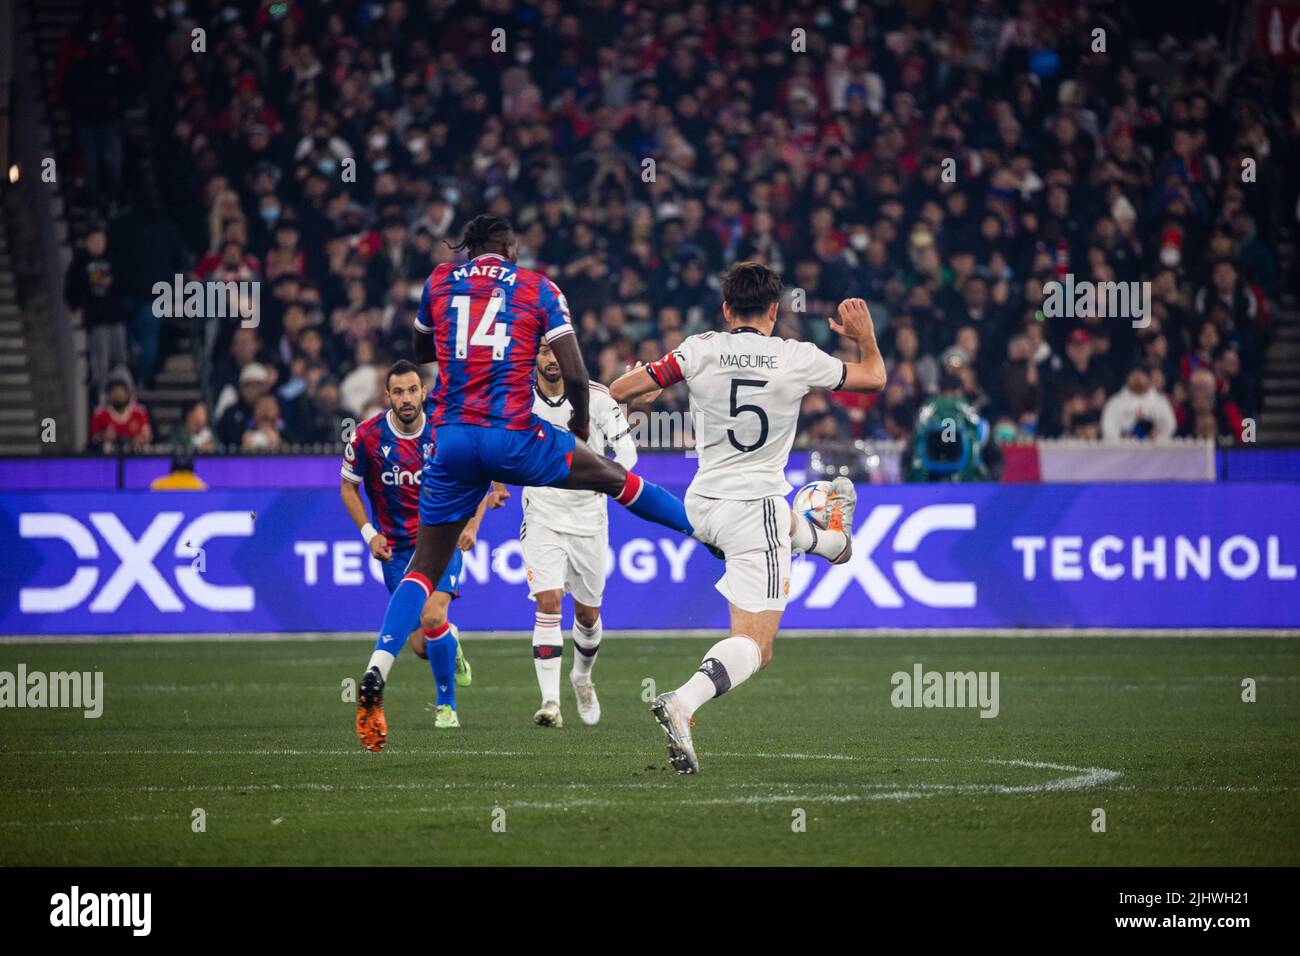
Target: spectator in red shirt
<point>120,420</point>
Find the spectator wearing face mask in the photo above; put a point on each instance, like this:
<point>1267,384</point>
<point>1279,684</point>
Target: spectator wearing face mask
<point>192,433</point>
<point>120,420</point>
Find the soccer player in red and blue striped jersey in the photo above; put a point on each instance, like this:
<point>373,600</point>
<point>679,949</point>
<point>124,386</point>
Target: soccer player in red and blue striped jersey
<point>482,321</point>
<point>386,456</point>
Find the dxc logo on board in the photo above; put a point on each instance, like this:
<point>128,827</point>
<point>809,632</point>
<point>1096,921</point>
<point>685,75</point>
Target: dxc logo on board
<point>913,582</point>
<point>136,557</point>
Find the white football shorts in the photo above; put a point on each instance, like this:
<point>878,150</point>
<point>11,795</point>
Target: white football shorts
<point>755,537</point>
<point>565,562</point>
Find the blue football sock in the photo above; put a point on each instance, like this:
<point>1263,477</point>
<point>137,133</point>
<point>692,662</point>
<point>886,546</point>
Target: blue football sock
<point>403,614</point>
<point>647,500</point>
<point>442,661</point>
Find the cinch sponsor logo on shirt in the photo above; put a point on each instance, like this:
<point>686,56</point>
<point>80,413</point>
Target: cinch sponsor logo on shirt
<point>399,476</point>
<point>747,361</point>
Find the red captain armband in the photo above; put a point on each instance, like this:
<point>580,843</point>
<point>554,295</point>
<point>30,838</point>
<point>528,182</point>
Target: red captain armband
<point>666,371</point>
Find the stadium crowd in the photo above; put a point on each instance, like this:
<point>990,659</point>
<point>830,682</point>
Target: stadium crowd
<point>942,160</point>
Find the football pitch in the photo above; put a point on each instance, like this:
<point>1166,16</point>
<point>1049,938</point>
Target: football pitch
<point>243,753</point>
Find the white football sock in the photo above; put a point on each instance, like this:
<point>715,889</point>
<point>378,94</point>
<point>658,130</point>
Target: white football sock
<point>548,646</point>
<point>728,664</point>
<point>384,661</point>
<point>586,642</point>
<point>808,539</point>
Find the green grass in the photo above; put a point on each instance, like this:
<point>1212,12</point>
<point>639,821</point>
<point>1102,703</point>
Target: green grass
<point>256,734</point>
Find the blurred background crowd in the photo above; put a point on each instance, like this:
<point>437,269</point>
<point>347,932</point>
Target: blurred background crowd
<point>942,160</point>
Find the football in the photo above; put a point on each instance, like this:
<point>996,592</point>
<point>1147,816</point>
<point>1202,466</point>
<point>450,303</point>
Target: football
<point>810,502</point>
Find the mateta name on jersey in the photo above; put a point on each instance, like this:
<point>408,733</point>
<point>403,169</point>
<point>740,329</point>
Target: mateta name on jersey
<point>472,270</point>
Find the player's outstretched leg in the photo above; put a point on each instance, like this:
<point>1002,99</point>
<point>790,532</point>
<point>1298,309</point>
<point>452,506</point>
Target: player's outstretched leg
<point>591,472</point>
<point>834,540</point>
<point>728,663</point>
<point>587,632</point>
<point>434,545</point>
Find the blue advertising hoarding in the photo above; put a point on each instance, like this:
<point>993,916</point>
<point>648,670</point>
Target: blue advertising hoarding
<point>1142,555</point>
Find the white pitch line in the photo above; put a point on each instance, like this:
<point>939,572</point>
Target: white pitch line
<point>1090,777</point>
<point>1084,778</point>
<point>912,793</point>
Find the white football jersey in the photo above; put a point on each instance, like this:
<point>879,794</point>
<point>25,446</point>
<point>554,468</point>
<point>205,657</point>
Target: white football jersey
<point>581,513</point>
<point>746,389</point>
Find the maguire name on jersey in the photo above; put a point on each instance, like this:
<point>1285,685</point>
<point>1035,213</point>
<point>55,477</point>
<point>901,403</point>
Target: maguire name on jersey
<point>746,389</point>
<point>581,513</point>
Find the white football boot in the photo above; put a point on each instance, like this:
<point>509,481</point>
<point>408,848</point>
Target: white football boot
<point>677,728</point>
<point>588,702</point>
<point>549,715</point>
<point>838,514</point>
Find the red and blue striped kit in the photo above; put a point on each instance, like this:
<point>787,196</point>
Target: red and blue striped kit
<point>389,464</point>
<point>487,317</point>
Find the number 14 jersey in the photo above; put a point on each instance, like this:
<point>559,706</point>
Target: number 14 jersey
<point>745,389</point>
<point>487,317</point>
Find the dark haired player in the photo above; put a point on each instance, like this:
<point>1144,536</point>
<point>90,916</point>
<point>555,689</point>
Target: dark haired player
<point>565,539</point>
<point>746,387</point>
<point>386,454</point>
<point>483,321</point>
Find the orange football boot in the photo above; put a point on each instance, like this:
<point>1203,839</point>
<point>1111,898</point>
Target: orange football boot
<point>372,727</point>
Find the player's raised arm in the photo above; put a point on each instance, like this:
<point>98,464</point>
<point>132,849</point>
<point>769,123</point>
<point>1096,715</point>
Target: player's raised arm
<point>633,384</point>
<point>868,373</point>
<point>647,381</point>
